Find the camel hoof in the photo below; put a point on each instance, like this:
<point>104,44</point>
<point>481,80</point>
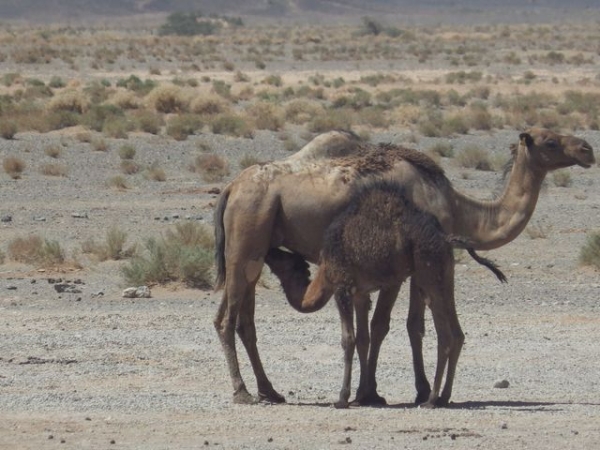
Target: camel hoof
<point>372,399</point>
<point>442,402</point>
<point>422,397</point>
<point>271,397</point>
<point>243,397</point>
<point>341,404</point>
<point>428,405</point>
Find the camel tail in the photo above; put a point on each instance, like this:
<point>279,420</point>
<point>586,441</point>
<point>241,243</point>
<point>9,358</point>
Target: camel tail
<point>463,243</point>
<point>220,239</point>
<point>489,264</point>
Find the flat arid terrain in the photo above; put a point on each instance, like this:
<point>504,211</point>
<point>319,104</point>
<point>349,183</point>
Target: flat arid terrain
<point>117,140</point>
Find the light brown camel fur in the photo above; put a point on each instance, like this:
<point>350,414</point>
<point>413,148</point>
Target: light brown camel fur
<point>290,203</point>
<point>377,241</point>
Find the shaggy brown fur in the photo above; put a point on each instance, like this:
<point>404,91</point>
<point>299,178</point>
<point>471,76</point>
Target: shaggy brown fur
<point>378,241</point>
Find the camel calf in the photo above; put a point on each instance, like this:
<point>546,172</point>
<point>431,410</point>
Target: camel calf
<point>379,240</point>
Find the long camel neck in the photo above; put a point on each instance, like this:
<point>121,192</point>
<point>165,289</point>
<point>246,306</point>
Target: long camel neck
<point>491,224</point>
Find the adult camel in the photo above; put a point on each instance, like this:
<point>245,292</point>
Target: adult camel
<point>290,203</point>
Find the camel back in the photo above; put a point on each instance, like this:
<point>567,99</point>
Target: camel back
<point>380,158</point>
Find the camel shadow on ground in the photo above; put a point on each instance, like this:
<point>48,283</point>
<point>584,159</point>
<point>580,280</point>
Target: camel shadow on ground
<point>515,405</point>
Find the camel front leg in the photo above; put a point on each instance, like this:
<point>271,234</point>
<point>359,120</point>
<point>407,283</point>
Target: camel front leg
<point>246,330</point>
<point>444,348</point>
<point>380,326</point>
<point>415,324</point>
<point>346,311</point>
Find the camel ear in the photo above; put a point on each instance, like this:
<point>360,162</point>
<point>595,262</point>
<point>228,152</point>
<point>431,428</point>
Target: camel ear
<point>526,139</point>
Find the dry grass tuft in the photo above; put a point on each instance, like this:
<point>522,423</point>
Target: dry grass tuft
<point>13,166</point>
<point>211,167</point>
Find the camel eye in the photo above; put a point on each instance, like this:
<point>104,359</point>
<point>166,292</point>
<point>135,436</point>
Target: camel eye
<point>551,143</point>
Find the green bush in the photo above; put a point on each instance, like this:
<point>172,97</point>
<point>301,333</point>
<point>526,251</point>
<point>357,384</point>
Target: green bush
<point>589,254</point>
<point>188,24</point>
<point>184,255</point>
<point>474,157</point>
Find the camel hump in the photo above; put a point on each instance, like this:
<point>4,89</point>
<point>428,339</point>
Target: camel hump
<point>333,144</point>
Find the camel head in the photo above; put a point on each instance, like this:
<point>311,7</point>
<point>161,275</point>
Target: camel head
<point>550,151</point>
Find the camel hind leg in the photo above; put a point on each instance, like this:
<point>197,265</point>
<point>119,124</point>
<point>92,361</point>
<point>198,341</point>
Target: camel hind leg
<point>415,325</point>
<point>225,324</point>
<point>236,313</point>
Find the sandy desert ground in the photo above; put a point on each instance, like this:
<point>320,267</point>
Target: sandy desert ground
<point>88,369</point>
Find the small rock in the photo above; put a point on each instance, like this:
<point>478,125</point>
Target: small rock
<point>504,426</point>
<point>137,292</point>
<point>11,288</point>
<point>39,219</point>
<point>79,215</point>
<point>214,190</point>
<point>501,384</point>
<point>6,218</point>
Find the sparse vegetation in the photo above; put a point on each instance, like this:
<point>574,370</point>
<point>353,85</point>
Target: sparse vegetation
<point>589,255</point>
<point>36,251</point>
<point>562,178</point>
<point>13,166</point>
<point>211,167</point>
<point>112,248</point>
<point>183,254</point>
<point>474,157</point>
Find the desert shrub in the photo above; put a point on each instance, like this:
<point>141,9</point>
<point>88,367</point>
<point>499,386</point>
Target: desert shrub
<point>155,173</point>
<point>221,88</point>
<point>129,167</point>
<point>117,127</point>
<point>97,115</point>
<point>57,120</point>
<point>209,105</point>
<point>36,251</point>
<point>127,151</point>
<point>444,149</point>
<point>474,157</point>
<point>431,124</point>
<point>8,129</point>
<point>181,126</point>
<point>99,144</point>
<point>53,151</point>
<point>273,80</point>
<point>479,117</point>
<point>373,116</point>
<point>13,166</point>
<point>117,182</point>
<point>562,178</point>
<point>112,248</point>
<point>135,84</point>
<point>70,100</point>
<point>454,124</point>
<point>589,255</point>
<point>231,124</point>
<point>148,121</point>
<point>266,115</point>
<point>56,82</point>
<point>180,255</point>
<point>330,120</point>
<point>248,160</point>
<point>168,98</point>
<point>125,100</point>
<point>301,111</point>
<point>189,24</point>
<point>211,167</point>
<point>463,77</point>
<point>54,170</point>
<point>537,231</point>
